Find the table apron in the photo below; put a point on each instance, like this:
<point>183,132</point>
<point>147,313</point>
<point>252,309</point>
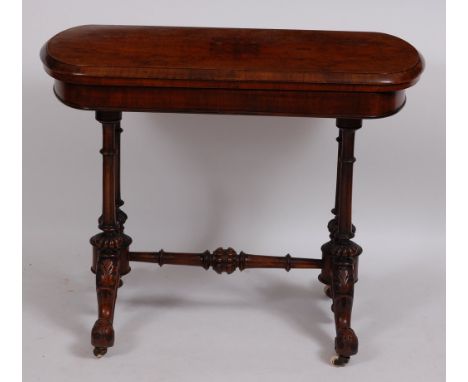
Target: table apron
<point>231,101</point>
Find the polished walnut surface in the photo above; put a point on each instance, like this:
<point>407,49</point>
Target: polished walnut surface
<point>231,70</point>
<point>232,57</point>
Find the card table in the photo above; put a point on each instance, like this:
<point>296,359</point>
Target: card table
<point>347,76</point>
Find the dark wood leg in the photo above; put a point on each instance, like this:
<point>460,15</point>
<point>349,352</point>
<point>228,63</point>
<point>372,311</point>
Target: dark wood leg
<point>342,253</point>
<point>107,282</point>
<point>121,215</point>
<point>342,290</point>
<point>110,243</point>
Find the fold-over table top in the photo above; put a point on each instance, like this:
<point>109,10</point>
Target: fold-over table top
<point>232,58</point>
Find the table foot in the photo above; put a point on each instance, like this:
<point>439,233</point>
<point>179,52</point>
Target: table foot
<point>99,352</point>
<point>339,360</point>
<point>346,341</point>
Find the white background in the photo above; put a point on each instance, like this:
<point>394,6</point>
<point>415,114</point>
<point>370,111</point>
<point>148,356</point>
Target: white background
<point>260,184</point>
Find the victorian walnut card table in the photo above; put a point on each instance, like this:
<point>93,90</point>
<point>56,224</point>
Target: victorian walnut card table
<point>348,76</point>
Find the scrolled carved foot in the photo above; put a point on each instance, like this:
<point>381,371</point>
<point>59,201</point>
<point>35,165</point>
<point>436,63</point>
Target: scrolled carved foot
<point>121,283</point>
<point>327,291</point>
<point>99,352</point>
<point>346,342</point>
<point>339,360</point>
<point>102,335</point>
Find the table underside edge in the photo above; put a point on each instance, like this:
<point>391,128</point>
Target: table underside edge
<point>320,104</point>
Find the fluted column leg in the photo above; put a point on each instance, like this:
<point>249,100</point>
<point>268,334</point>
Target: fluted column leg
<point>109,243</point>
<point>342,252</point>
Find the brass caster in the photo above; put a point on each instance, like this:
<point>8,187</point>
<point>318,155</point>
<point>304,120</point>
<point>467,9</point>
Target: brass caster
<point>327,291</point>
<point>99,352</point>
<point>339,360</point>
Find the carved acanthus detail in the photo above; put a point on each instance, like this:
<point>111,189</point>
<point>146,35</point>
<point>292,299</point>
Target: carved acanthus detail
<point>343,277</point>
<point>343,272</point>
<point>107,272</point>
<point>110,240</point>
<point>343,248</point>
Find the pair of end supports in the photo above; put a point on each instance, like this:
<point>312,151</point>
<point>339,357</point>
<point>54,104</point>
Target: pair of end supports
<point>111,255</point>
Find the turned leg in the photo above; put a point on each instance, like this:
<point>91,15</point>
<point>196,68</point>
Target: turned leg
<point>121,216</point>
<point>341,251</point>
<point>110,243</point>
<point>325,275</point>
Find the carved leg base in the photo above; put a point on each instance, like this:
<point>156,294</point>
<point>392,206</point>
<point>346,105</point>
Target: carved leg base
<point>329,251</point>
<point>342,291</point>
<point>327,291</point>
<point>124,255</point>
<point>93,269</point>
<point>107,282</point>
